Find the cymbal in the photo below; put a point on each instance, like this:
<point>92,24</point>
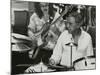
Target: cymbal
<point>56,66</point>
<point>20,47</point>
<point>20,36</point>
<point>13,40</point>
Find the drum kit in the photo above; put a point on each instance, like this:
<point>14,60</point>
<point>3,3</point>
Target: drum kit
<point>87,63</point>
<point>19,51</point>
<point>18,46</point>
<point>41,67</point>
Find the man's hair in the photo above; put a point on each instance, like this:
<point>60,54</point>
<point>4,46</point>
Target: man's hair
<point>78,17</point>
<point>38,9</point>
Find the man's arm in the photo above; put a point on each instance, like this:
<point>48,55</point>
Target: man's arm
<point>31,27</point>
<point>57,52</point>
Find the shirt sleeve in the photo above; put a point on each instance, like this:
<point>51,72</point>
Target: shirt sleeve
<point>32,24</point>
<point>31,27</point>
<point>90,47</point>
<point>57,52</point>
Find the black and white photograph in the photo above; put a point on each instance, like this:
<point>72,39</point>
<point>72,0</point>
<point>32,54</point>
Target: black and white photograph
<point>52,37</point>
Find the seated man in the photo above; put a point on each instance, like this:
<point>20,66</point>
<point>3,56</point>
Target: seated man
<point>65,54</point>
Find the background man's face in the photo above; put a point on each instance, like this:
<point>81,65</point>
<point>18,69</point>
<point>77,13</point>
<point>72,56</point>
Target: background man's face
<point>44,7</point>
<point>71,24</point>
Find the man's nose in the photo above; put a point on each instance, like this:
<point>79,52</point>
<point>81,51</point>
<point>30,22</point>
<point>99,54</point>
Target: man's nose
<point>68,25</point>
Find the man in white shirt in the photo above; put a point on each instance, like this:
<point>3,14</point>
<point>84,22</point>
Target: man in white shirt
<point>64,52</point>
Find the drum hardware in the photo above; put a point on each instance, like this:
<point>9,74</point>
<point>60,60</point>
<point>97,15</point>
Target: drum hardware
<point>92,63</point>
<point>19,42</point>
<point>85,63</point>
<point>20,47</point>
<point>41,67</point>
<point>71,44</point>
<point>25,65</point>
<point>20,36</point>
<point>88,62</point>
<point>61,67</point>
<point>80,59</point>
<point>13,40</point>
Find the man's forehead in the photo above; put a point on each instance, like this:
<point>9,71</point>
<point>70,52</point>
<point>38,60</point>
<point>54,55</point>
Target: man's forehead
<point>44,3</point>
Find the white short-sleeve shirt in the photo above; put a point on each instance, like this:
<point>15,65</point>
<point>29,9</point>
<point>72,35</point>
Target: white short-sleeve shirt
<point>62,52</point>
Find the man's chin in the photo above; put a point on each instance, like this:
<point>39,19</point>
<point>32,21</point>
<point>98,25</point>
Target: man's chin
<point>69,31</point>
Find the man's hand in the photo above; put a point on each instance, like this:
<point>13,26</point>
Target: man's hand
<point>52,62</point>
<point>30,70</point>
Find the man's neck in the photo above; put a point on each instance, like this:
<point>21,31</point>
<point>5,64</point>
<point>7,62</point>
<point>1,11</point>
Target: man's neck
<point>46,17</point>
<point>77,32</point>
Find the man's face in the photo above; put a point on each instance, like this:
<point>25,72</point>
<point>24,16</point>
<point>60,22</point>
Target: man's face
<point>44,7</point>
<point>71,24</point>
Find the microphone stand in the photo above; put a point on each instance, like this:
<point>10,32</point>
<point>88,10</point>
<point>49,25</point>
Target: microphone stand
<point>41,63</point>
<point>71,44</point>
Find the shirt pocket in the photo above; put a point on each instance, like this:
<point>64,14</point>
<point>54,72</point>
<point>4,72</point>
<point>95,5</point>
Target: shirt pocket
<point>81,51</point>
